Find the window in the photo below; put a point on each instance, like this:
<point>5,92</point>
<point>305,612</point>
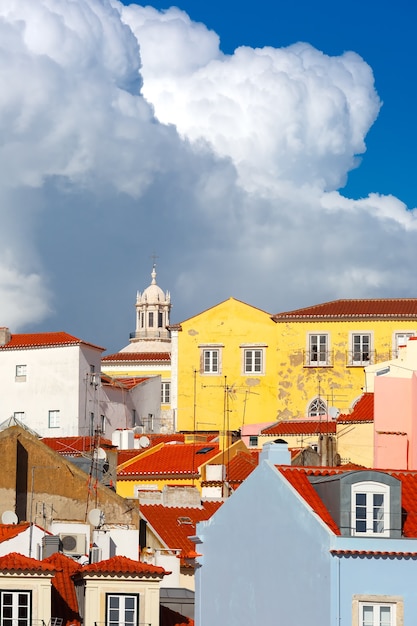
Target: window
<point>122,609</point>
<point>370,509</point>
<point>253,362</point>
<point>160,319</point>
<point>19,415</point>
<point>165,393</point>
<point>376,610</point>
<point>361,349</point>
<point>376,614</point>
<point>211,361</point>
<point>15,608</point>
<point>318,350</point>
<point>211,358</point>
<point>253,441</point>
<point>53,420</point>
<point>400,339</point>
<point>21,373</point>
<point>151,319</point>
<point>317,407</point>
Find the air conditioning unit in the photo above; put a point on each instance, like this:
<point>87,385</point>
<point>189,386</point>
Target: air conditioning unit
<point>73,543</point>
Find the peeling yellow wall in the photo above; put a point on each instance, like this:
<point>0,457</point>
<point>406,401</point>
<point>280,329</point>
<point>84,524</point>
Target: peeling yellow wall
<point>339,385</point>
<point>288,385</point>
<point>226,400</point>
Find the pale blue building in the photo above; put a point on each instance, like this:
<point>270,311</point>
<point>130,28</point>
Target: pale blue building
<point>298,546</point>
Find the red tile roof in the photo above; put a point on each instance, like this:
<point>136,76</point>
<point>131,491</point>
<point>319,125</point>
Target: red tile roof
<point>14,562</point>
<point>180,459</point>
<point>298,478</point>
<point>37,340</point>
<point>73,446</point>
<point>168,617</point>
<point>125,382</point>
<point>63,597</point>
<point>401,308</point>
<point>123,565</point>
<point>241,466</point>
<point>363,411</point>
<point>301,427</point>
<point>9,531</point>
<point>174,525</point>
<point>133,357</point>
<point>374,553</point>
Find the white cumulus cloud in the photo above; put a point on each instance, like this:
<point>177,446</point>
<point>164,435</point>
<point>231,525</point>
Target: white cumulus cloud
<point>126,130</point>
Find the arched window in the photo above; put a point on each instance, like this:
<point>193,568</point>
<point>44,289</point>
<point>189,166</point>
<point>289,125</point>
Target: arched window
<point>317,407</point>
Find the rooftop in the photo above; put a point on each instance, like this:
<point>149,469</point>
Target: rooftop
<point>391,308</point>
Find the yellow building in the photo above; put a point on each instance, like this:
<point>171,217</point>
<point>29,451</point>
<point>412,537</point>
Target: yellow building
<point>323,349</point>
<point>225,364</point>
<point>234,364</point>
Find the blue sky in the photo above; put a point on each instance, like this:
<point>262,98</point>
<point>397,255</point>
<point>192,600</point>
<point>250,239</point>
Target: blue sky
<point>382,32</point>
<point>207,135</point>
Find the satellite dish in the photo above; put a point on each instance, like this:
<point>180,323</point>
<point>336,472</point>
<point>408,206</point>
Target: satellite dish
<point>100,454</point>
<point>334,412</point>
<point>95,517</point>
<point>144,441</point>
<point>9,517</point>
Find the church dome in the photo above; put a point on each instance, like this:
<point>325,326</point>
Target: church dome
<point>153,294</point>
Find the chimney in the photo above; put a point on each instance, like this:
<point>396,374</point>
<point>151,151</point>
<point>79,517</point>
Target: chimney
<point>5,335</point>
<point>276,452</point>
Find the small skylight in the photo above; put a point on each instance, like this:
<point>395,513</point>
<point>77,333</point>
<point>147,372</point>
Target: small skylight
<point>205,450</point>
<point>184,520</point>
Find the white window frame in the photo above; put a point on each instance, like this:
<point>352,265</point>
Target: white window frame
<point>319,402</point>
<point>253,359</point>
<point>314,341</point>
<point>19,415</point>
<point>355,351</point>
<point>16,607</point>
<point>165,392</point>
<point>21,373</point>
<point>54,418</point>
<point>121,610</point>
<point>210,366</point>
<point>373,517</point>
<point>395,603</point>
<point>396,338</point>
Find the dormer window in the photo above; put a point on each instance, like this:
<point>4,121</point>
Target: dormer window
<point>370,509</point>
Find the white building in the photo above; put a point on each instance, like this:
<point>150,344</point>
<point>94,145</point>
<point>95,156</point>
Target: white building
<point>51,382</point>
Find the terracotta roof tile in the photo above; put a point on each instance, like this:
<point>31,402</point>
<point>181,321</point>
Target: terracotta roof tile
<point>175,525</point>
<point>177,458</point>
<point>73,446</point>
<point>132,357</point>
<point>374,553</point>
<point>9,531</point>
<point>63,597</point>
<point>301,427</point>
<point>14,562</point>
<point>401,308</point>
<point>168,617</point>
<point>125,382</point>
<point>241,466</point>
<point>298,478</point>
<point>363,411</point>
<point>36,340</point>
<point>123,565</point>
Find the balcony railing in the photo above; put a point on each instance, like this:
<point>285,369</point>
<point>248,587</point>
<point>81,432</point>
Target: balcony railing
<point>361,357</point>
<point>318,358</point>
